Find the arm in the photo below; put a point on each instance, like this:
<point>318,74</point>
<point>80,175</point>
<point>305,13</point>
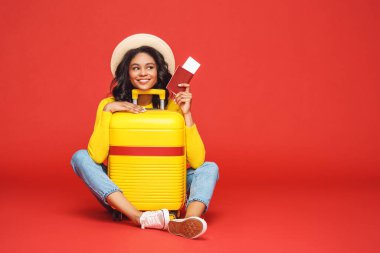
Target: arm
<point>98,145</point>
<point>195,149</point>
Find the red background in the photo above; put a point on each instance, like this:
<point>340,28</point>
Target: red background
<point>287,94</point>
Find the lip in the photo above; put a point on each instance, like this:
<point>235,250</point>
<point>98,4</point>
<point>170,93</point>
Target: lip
<point>143,81</point>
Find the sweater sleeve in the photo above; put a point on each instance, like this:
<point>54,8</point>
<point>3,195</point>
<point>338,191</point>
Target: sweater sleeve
<point>98,146</point>
<point>195,150</point>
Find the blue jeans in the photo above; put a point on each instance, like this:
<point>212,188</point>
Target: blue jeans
<point>200,182</point>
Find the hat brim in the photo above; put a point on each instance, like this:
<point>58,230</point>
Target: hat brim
<point>138,40</point>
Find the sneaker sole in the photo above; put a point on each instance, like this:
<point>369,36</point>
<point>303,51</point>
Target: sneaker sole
<point>190,228</point>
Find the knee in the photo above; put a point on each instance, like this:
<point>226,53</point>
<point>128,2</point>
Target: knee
<point>78,158</point>
<point>211,169</point>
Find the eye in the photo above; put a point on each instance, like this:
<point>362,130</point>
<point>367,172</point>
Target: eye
<point>135,68</point>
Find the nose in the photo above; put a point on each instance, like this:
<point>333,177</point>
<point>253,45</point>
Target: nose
<point>143,72</point>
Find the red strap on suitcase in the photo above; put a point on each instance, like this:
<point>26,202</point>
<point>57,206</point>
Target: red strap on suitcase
<point>147,151</point>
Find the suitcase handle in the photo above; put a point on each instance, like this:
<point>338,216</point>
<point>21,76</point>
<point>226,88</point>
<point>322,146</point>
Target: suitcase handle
<point>161,93</point>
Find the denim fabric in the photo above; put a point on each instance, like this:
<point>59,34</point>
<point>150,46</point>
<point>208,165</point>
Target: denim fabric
<point>93,175</point>
<point>200,182</point>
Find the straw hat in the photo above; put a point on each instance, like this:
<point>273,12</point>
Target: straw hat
<point>138,40</point>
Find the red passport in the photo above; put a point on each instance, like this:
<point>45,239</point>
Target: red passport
<point>183,74</point>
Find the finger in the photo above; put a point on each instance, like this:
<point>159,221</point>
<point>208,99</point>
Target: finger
<point>130,105</point>
<point>131,108</point>
<point>188,95</point>
<point>135,110</point>
<point>185,95</point>
<point>138,108</point>
<point>134,107</point>
<point>185,85</point>
<point>183,100</point>
<point>178,101</point>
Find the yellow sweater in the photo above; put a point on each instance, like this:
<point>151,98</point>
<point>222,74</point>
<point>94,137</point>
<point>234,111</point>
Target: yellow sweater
<point>98,145</point>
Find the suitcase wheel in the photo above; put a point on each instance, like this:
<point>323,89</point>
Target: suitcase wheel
<point>174,214</point>
<point>117,216</point>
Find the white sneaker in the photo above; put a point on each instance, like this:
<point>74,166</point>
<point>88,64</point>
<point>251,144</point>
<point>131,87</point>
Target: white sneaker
<point>155,219</point>
<point>191,227</point>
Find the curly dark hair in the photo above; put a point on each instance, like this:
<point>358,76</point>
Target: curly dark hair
<point>121,86</point>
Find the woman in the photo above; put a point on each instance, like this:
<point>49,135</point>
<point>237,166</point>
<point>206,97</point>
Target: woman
<point>145,61</point>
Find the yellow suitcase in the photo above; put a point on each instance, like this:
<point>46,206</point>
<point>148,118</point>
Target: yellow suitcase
<point>147,156</point>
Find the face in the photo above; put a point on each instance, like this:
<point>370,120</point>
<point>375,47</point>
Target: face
<point>143,71</point>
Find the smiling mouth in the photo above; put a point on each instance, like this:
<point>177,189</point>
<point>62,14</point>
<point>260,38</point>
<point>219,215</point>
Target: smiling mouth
<point>143,81</point>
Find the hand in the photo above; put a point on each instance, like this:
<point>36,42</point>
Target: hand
<point>121,106</point>
<point>183,98</point>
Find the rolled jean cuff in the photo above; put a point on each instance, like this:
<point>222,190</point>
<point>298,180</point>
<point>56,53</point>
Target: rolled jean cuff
<point>199,200</point>
<point>109,193</point>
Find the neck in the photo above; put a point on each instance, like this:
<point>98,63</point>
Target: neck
<point>144,100</point>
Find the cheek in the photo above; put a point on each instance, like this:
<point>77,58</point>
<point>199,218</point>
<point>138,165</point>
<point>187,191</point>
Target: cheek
<point>154,74</point>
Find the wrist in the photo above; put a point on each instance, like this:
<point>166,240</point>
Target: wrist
<point>188,119</point>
